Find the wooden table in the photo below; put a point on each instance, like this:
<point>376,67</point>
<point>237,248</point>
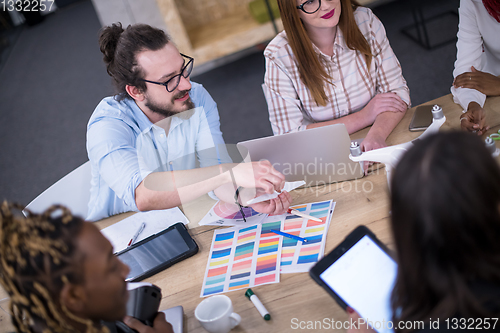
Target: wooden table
<point>296,299</point>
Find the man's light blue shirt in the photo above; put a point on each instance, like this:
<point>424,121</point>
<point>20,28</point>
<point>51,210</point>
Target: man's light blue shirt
<point>124,147</point>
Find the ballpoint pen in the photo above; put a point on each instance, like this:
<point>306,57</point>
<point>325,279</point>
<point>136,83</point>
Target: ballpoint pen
<point>141,228</point>
<point>289,235</point>
<point>237,195</point>
<point>236,198</point>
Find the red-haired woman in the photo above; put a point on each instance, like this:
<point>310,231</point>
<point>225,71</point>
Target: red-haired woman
<point>478,61</point>
<point>333,64</point>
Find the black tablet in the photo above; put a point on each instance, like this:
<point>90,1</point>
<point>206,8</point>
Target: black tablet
<point>157,252</point>
<point>360,273</point>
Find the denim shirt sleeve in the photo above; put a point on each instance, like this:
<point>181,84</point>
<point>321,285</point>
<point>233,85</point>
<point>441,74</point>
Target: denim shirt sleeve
<point>111,143</point>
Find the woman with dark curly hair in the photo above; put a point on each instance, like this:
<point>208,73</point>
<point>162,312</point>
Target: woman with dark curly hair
<point>61,274</point>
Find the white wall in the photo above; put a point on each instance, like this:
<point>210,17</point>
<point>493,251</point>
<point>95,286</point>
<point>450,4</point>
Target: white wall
<point>129,12</point>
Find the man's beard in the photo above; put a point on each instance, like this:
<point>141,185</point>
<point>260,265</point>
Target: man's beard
<point>168,112</point>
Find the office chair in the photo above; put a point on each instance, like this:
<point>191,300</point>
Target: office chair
<point>72,191</point>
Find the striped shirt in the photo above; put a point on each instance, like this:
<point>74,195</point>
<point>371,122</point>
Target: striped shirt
<point>292,107</point>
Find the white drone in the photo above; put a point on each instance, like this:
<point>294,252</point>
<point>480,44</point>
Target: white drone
<point>391,155</point>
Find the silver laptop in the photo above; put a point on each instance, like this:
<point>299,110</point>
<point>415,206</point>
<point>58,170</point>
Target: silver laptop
<point>318,156</point>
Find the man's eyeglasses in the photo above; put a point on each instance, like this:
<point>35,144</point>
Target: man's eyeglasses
<point>310,6</point>
<point>173,82</point>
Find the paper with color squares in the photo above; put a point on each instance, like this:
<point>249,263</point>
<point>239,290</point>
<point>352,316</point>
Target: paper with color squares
<point>243,257</point>
<point>297,256</point>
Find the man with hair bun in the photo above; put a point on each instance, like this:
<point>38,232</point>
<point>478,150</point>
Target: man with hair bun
<point>145,142</point>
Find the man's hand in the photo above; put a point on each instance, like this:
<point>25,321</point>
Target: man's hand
<point>260,175</point>
<point>276,206</point>
<point>474,119</point>
<point>484,82</point>
<point>160,325</point>
<point>382,103</point>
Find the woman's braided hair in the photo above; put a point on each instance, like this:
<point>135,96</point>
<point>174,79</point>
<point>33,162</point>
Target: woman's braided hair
<point>37,257</point>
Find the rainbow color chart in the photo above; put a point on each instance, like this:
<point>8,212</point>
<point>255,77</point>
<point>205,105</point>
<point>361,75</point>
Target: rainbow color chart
<point>297,256</point>
<point>223,213</point>
<point>242,258</point>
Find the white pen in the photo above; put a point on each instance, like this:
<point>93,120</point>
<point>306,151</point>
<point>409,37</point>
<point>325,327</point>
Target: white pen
<point>141,228</point>
<point>258,304</point>
<point>296,212</point>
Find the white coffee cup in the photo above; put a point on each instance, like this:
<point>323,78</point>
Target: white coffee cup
<point>216,314</point>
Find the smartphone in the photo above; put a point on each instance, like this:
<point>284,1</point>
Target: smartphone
<point>360,273</point>
<point>158,251</point>
<point>422,118</point>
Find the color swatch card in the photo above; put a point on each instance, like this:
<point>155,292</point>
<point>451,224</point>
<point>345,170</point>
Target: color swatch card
<point>243,258</point>
<point>223,213</point>
<point>297,256</point>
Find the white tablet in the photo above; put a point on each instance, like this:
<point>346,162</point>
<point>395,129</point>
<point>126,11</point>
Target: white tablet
<point>360,273</point>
